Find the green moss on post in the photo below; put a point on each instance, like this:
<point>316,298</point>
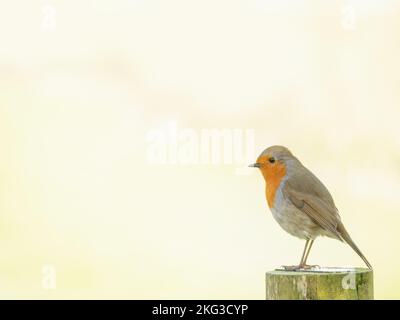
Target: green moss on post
<point>320,284</point>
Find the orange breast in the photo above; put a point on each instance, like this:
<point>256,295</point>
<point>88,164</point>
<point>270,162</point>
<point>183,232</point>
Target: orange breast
<point>273,176</point>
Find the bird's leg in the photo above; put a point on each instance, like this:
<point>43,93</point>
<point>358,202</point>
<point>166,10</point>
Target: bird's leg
<point>303,264</point>
<point>303,258</point>
<point>305,253</point>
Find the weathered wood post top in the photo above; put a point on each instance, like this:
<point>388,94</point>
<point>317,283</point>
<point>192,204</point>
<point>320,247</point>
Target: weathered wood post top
<point>320,284</point>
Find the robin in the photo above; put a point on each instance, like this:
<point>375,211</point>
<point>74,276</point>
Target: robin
<point>299,202</point>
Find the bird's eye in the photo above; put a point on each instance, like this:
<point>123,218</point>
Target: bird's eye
<point>272,159</point>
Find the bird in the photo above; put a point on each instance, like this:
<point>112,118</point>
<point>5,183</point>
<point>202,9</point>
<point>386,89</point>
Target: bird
<point>300,202</point>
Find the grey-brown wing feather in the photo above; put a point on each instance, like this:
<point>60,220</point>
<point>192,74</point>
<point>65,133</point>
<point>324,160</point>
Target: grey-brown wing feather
<point>309,195</point>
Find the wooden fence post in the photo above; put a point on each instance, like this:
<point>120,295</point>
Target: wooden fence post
<point>320,284</point>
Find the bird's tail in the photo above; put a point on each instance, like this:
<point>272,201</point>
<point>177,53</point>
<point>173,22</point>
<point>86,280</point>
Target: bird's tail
<point>346,237</point>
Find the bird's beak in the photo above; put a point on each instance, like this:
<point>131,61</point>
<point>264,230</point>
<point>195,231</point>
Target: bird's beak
<point>254,165</point>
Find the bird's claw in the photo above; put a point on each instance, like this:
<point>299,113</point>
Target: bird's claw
<point>300,267</point>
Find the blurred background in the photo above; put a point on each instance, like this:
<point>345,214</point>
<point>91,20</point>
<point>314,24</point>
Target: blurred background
<point>85,214</point>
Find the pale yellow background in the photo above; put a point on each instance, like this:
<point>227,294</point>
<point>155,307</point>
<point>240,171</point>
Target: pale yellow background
<point>79,94</point>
